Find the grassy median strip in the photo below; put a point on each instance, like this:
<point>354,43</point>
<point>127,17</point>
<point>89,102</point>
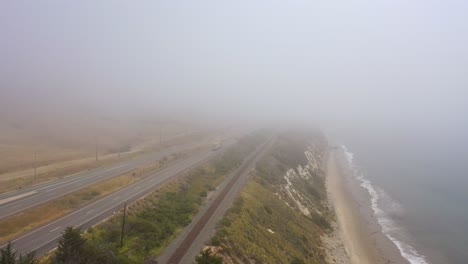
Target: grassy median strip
<point>12,226</point>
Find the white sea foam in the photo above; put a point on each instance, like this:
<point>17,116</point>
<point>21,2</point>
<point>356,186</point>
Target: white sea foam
<point>383,206</point>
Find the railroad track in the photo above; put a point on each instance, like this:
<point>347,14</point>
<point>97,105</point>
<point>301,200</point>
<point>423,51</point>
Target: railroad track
<point>242,172</point>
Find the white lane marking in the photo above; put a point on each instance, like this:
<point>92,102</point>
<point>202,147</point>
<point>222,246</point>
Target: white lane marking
<point>74,174</point>
<point>90,211</point>
<point>53,230</point>
<point>120,166</point>
<point>116,198</point>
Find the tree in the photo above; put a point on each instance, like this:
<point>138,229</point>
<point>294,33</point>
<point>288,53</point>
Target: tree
<point>29,258</point>
<point>99,254</point>
<point>8,254</point>
<point>71,247</point>
<point>207,257</point>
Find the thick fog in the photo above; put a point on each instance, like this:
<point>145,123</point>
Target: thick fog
<point>338,63</point>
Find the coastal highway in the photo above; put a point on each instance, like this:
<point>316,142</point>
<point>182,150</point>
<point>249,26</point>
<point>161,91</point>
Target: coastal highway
<point>16,201</point>
<point>44,238</point>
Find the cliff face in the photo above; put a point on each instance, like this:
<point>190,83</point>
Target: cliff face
<point>282,214</point>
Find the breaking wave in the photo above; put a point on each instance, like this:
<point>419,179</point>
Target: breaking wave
<point>384,207</point>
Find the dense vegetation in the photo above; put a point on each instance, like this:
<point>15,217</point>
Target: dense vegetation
<point>8,255</point>
<point>262,226</point>
<point>207,257</point>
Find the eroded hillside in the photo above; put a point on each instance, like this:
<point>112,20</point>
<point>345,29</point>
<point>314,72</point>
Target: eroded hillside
<point>282,215</point>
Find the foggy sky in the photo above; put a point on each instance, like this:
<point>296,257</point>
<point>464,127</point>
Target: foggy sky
<point>336,62</point>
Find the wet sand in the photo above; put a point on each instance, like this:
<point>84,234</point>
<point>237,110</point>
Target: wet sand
<point>362,237</point>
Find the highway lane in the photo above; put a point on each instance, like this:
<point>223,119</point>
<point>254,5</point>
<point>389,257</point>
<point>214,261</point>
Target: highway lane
<point>16,201</point>
<point>44,238</point>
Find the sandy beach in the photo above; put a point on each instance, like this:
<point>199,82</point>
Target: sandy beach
<point>360,233</point>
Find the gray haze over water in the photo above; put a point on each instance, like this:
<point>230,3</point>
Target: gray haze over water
<point>383,77</point>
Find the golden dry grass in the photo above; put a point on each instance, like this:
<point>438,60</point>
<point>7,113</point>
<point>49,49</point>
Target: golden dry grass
<point>24,178</point>
<point>59,139</point>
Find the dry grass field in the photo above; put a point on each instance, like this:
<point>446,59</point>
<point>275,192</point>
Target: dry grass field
<point>54,143</point>
<point>59,147</point>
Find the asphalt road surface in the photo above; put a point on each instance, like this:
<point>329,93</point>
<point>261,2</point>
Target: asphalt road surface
<point>44,239</point>
<point>191,240</point>
<point>16,201</point>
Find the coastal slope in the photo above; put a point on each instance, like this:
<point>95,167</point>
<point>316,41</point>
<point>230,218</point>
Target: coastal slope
<point>283,214</point>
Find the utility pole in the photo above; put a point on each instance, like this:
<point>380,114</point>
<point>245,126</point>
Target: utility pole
<point>35,165</point>
<point>160,135</point>
<point>97,148</point>
<point>123,225</point>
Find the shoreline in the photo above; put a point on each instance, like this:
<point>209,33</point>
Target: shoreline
<point>359,231</point>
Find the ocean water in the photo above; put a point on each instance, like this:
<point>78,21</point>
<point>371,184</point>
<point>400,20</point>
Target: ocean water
<point>418,184</point>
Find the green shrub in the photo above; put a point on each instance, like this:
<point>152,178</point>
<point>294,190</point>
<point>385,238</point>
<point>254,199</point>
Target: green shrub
<point>215,241</point>
<point>320,221</point>
<point>297,261</point>
<point>207,257</point>
<point>267,209</point>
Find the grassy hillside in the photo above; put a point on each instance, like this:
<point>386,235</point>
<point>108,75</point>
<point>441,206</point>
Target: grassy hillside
<point>280,218</point>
